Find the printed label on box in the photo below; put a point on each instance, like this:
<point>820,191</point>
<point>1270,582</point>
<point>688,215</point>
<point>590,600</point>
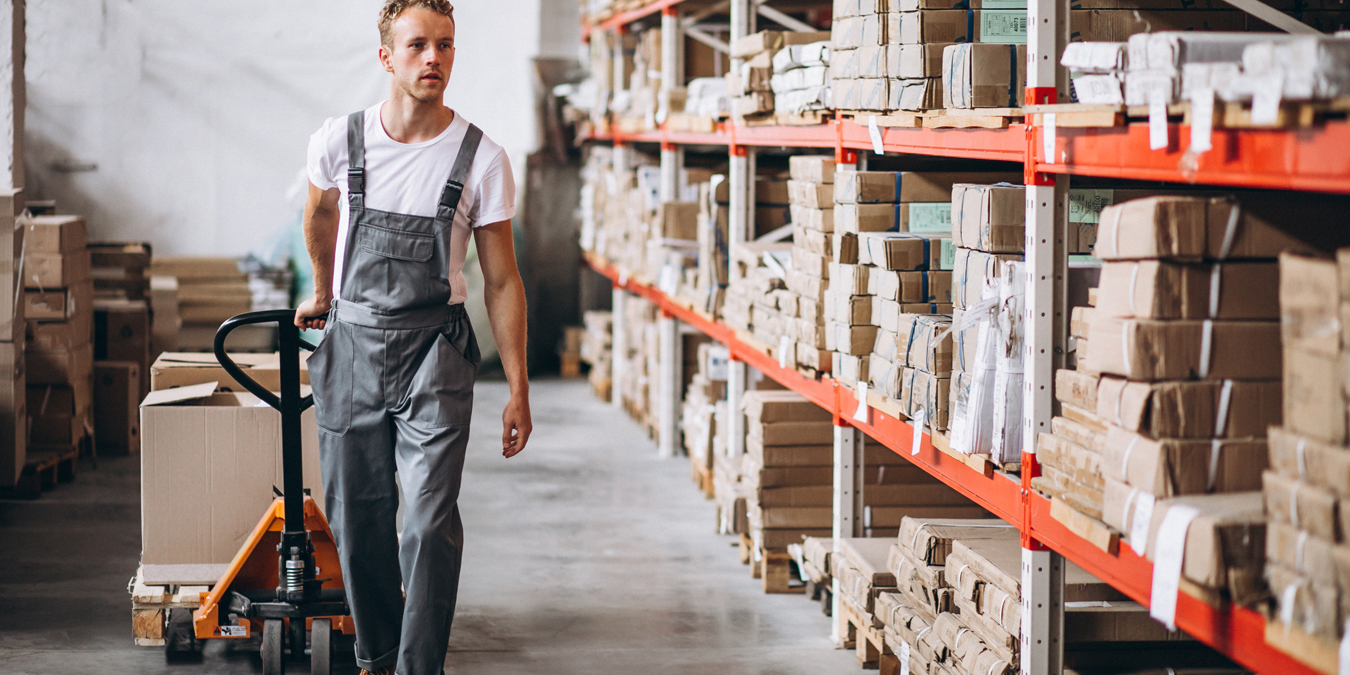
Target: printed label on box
<point>930,218</point>
<point>1003,26</point>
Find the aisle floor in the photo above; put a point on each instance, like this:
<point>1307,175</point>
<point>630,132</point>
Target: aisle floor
<point>586,554</point>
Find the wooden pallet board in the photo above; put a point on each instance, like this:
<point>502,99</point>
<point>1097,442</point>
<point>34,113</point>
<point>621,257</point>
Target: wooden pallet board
<point>897,119</point>
<point>776,572</point>
<point>42,471</point>
<point>855,628</point>
<point>150,606</point>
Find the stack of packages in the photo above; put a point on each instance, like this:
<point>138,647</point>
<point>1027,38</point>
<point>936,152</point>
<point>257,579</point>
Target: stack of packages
<point>801,78</point>
<point>1309,479</point>
<point>813,556</point>
<point>637,388</point>
<point>757,299</point>
<point>750,85</point>
<point>121,372</point>
<point>812,194</point>
<point>861,567</point>
<point>210,291</point>
<point>983,75</point>
<point>58,306</point>
<point>890,56</point>
<point>698,419</point>
<point>13,394</point>
<point>987,287</point>
<point>596,350</point>
<point>1185,338</point>
<point>710,285</point>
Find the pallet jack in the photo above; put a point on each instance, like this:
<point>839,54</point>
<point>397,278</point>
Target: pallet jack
<point>286,578</point>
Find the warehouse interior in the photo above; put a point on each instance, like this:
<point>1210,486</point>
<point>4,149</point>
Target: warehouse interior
<point>933,337</point>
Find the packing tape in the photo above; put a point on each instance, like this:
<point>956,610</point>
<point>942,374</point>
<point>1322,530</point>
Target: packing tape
<point>1302,460</point>
<point>1287,598</point>
<point>997,667</point>
<point>1134,279</point>
<point>1225,401</point>
<point>1230,232</point>
<point>1125,460</point>
<point>1215,283</point>
<point>1293,505</point>
<point>1120,403</point>
<point>1168,554</point>
<point>1125,515</point>
<point>1298,550</point>
<point>960,572</point>
<point>1115,231</point>
<point>1214,446</point>
<point>959,633</point>
<point>1206,347</point>
<point>1003,606</point>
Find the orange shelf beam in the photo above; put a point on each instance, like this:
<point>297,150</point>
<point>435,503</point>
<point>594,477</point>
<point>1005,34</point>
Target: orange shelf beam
<point>625,18</point>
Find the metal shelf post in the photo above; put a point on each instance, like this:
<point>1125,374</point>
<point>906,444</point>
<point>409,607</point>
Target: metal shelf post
<point>848,503</point>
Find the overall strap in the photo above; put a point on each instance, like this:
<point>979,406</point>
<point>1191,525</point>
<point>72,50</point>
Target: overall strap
<point>454,187</point>
<point>356,159</point>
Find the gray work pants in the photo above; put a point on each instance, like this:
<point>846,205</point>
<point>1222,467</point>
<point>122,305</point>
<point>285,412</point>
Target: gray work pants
<point>386,400</point>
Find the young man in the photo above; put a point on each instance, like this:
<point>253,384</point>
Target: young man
<point>395,192</point>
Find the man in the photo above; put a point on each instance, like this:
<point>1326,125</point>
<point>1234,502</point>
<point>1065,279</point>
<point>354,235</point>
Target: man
<point>395,191</point>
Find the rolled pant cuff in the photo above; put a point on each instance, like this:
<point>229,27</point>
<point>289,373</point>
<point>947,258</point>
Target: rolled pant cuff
<point>386,659</point>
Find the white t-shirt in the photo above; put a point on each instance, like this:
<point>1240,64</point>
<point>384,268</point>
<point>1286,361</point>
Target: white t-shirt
<point>409,177</point>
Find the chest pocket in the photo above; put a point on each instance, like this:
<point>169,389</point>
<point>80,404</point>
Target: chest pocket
<point>409,246</point>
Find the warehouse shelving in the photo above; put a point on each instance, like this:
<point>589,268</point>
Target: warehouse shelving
<point>1310,159</point>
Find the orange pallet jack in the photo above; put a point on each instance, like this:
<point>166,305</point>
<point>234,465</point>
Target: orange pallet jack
<point>286,578</point>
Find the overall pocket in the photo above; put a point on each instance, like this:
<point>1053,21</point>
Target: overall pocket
<point>331,376</point>
<point>441,395</point>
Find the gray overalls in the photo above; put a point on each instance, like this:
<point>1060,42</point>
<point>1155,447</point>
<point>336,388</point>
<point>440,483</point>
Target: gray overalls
<point>393,390</point>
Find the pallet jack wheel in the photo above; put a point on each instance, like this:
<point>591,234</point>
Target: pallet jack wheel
<point>321,647</point>
<point>273,647</point>
<point>180,639</point>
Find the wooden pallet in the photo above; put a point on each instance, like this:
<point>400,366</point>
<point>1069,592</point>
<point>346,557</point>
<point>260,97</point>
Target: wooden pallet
<point>898,119</point>
<point>857,632</point>
<point>150,607</point>
<point>1227,114</point>
<point>778,572</point>
<point>42,471</point>
<point>746,546</point>
<point>975,118</point>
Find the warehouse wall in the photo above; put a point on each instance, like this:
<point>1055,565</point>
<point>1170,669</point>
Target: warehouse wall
<point>186,124</point>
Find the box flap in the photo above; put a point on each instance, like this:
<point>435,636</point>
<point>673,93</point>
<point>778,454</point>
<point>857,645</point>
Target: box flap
<point>180,394</point>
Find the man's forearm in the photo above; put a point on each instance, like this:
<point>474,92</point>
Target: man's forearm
<point>506,312</point>
<point>320,227</point>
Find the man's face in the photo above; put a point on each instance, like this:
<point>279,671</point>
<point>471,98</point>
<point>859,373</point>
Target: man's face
<point>423,53</point>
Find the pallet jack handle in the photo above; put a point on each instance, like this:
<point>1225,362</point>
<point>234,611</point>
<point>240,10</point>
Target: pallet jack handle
<point>290,404</point>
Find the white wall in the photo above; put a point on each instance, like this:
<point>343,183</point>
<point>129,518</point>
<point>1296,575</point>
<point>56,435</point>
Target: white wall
<point>185,123</point>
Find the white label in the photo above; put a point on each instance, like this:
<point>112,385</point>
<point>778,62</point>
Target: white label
<point>1266,101</point>
<point>1202,120</point>
<point>623,279</point>
<point>1168,553</point>
<point>860,415</point>
<point>1343,656</point>
<point>234,631</point>
<point>784,351</point>
<point>1157,122</point>
<point>875,132</point>
<point>1048,137</point>
<point>1143,516</point>
<point>904,658</point>
<point>918,424</point>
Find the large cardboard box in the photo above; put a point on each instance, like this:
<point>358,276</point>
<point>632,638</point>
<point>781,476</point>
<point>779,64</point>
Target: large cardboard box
<point>1144,349</point>
<point>56,234</point>
<point>55,270</point>
<point>1314,395</point>
<point>59,366</point>
<point>117,388</point>
<point>1154,289</point>
<point>209,462</point>
<point>1189,409</point>
<point>1170,467</point>
<point>977,75</point>
<point>174,369</point>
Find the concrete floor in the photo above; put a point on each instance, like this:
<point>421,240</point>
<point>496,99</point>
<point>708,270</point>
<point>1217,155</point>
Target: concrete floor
<point>586,554</point>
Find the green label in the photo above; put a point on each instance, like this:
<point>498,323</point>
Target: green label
<point>930,217</point>
<point>947,255</point>
<point>1003,26</point>
<point>1085,206</point>
<point>1003,4</point>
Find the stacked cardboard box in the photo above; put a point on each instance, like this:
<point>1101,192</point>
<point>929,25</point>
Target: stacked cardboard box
<point>637,388</point>
<point>164,315</point>
<point>210,291</point>
<point>120,269</point>
<point>757,299</point>
<point>812,194</point>
<point>596,350</point>
<point>13,392</point>
<point>861,568</point>
<point>801,78</point>
<point>1310,465</point>
<point>813,556</point>
<point>698,420</point>
<point>751,85</point>
<point>58,304</point>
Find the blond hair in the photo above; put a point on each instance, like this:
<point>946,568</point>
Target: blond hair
<point>393,9</point>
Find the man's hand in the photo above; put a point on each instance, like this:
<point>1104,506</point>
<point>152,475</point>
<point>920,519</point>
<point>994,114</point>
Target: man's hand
<point>516,425</point>
<point>313,307</point>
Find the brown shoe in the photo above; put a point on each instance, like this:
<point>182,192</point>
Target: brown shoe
<point>387,670</point>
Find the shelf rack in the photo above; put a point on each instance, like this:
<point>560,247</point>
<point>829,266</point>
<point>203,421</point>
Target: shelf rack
<point>1310,159</point>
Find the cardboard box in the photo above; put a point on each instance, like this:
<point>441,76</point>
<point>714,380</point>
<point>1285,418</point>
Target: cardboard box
<point>849,279</point>
<point>56,234</point>
<point>868,187</point>
<point>1318,464</point>
<point>925,343</point>
<point>792,433</point>
<point>911,286</point>
<point>1078,465</point>
<point>1303,505</point>
<point>989,217</point>
<point>1194,228</point>
<point>812,168</point>
<point>172,370</point>
<point>209,462</point>
<point>1154,289</point>
<point>1077,388</point>
<point>772,41</point>
<point>1316,606</point>
<point>1310,303</point>
<point>164,316</point>
<point>765,406</point>
<point>117,388</point>
<point>1190,409</point>
<point>13,413</point>
<point>1145,349</point>
<point>927,392</point>
<point>811,195</point>
<point>77,331</point>
<point>58,304</point>
<point>1314,395</point>
<point>915,61</point>
<point>59,366</point>
<point>1225,545</point>
<point>984,75</point>
<point>818,220</point>
<point>915,94</point>
<point>55,270</point>
<point>49,400</point>
<point>970,271</point>
<point>1313,557</point>
<point>901,250</point>
<point>853,310</point>
<point>1170,467</point>
<point>677,220</point>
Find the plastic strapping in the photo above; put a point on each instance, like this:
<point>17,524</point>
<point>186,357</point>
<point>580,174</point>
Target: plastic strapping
<point>1293,505</point>
<point>1003,605</point>
<point>1215,279</point>
<point>1134,279</point>
<point>1120,404</point>
<point>1115,231</point>
<point>1230,233</point>
<point>958,575</point>
<point>1129,501</point>
<point>1225,401</point>
<point>1125,347</point>
<point>899,178</point>
<point>1302,460</point>
<point>970,26</point>
<point>997,667</point>
<point>1206,347</point>
<point>1287,599</point>
<point>1214,446</point>
<point>1298,550</point>
<point>1125,460</point>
